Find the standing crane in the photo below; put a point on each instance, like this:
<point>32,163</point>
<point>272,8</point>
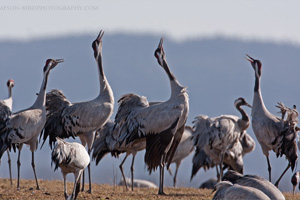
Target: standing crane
<point>66,119</point>
<point>4,105</point>
<point>161,123</point>
<point>104,143</point>
<point>185,148</point>
<point>219,134</point>
<point>254,181</point>
<point>24,127</point>
<point>272,132</point>
<point>70,158</point>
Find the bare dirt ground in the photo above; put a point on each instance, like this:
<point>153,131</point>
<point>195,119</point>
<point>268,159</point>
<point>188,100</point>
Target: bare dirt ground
<point>54,190</point>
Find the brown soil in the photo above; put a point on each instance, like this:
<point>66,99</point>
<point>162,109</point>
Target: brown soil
<point>54,190</point>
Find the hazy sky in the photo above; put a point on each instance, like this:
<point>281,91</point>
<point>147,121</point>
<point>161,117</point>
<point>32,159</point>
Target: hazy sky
<point>255,19</point>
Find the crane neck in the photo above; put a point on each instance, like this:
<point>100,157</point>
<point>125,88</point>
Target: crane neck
<point>105,89</point>
<point>245,117</point>
<point>41,97</point>
<point>176,88</point>
<point>258,103</point>
<point>244,122</point>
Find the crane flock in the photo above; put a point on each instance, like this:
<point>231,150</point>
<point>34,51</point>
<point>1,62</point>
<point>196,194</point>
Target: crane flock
<point>159,128</point>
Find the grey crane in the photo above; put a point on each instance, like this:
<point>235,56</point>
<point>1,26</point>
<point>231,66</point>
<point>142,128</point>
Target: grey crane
<point>105,142</point>
<point>24,127</point>
<point>295,180</point>
<point>185,148</point>
<point>216,135</point>
<point>162,123</point>
<point>255,182</point>
<point>66,119</point>
<point>272,132</point>
<point>226,190</point>
<point>4,105</point>
<point>70,158</point>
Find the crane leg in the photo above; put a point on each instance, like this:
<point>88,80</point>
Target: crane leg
<point>76,187</point>
<point>83,177</point>
<point>19,165</point>
<point>269,168</point>
<point>33,167</point>
<point>132,178</point>
<point>65,187</point>
<point>121,169</point>
<point>161,176</point>
<point>89,171</point>
<point>9,166</point>
<point>221,166</point>
<point>277,182</point>
<point>175,176</point>
<point>218,174</point>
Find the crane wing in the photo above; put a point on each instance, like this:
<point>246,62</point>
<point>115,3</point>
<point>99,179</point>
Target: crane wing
<point>5,114</point>
<point>56,102</point>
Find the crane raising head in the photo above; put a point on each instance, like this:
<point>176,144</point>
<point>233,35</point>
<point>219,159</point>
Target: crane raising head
<point>10,83</point>
<point>241,102</point>
<point>159,52</point>
<point>256,64</point>
<point>97,44</point>
<point>51,63</point>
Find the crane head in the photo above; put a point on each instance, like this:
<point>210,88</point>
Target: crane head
<point>159,52</point>
<point>51,63</point>
<point>256,64</point>
<point>242,102</point>
<point>10,83</point>
<point>97,44</point>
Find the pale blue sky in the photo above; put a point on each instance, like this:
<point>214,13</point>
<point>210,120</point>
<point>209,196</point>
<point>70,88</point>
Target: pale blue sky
<point>255,19</point>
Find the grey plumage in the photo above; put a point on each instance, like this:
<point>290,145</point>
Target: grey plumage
<point>24,127</point>
<point>227,190</point>
<point>255,182</point>
<point>5,112</point>
<point>70,158</point>
<point>185,148</point>
<point>272,132</point>
<point>66,119</point>
<point>162,123</point>
<point>216,135</point>
<point>105,142</point>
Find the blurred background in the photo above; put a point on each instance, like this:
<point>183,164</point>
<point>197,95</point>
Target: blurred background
<point>205,45</point>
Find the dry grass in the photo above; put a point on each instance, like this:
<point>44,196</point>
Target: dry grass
<point>54,190</point>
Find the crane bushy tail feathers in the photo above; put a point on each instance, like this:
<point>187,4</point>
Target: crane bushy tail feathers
<point>55,103</point>
<point>61,154</point>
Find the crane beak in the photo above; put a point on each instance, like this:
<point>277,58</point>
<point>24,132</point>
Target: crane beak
<point>59,61</point>
<point>250,59</point>
<point>99,37</point>
<point>247,104</point>
<point>160,43</point>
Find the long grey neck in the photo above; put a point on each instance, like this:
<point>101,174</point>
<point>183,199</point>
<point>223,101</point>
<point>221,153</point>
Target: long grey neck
<point>9,92</point>
<point>176,88</point>
<point>258,103</point>
<point>244,122</point>
<point>41,98</point>
<point>105,89</point>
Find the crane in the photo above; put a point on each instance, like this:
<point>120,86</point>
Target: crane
<point>105,143</point>
<point>66,119</point>
<point>255,182</point>
<point>161,123</point>
<point>272,132</point>
<point>216,135</point>
<point>227,190</point>
<point>70,158</point>
<point>7,104</point>
<point>24,126</point>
